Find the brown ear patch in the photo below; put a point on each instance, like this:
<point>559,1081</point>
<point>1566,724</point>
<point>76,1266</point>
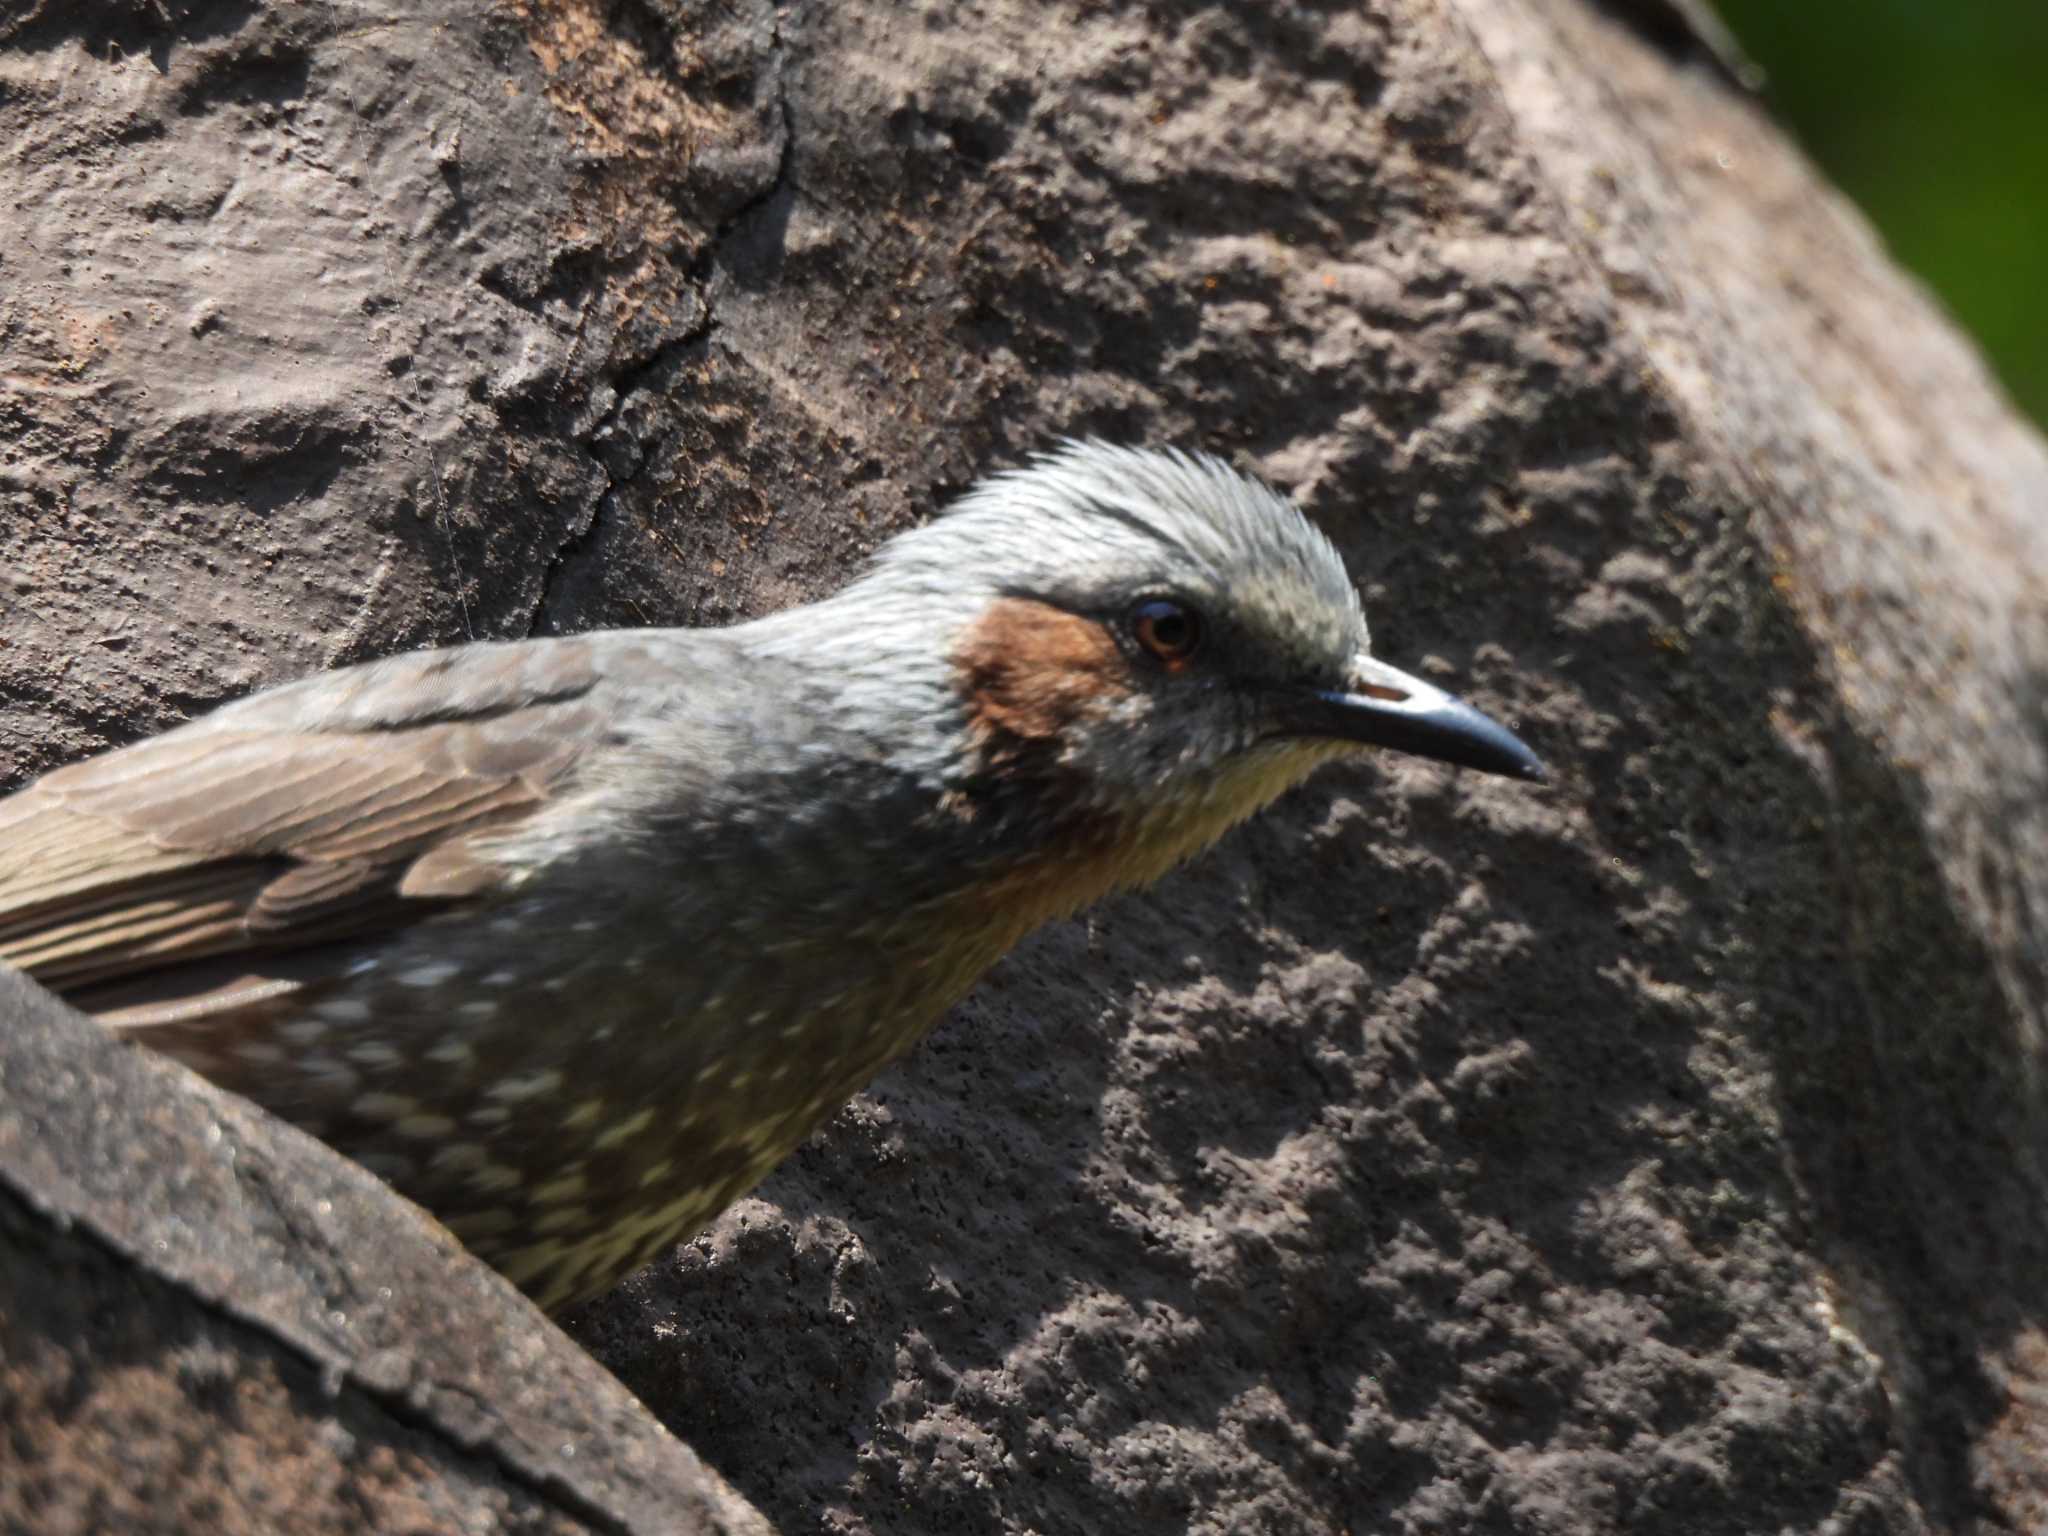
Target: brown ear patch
<point>1030,672</point>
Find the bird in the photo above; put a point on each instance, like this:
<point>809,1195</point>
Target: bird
<point>573,939</point>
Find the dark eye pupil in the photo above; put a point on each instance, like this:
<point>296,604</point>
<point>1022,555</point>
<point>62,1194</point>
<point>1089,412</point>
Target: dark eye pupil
<point>1166,629</point>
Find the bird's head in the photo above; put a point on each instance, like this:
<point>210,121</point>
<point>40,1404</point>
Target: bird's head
<point>1145,647</point>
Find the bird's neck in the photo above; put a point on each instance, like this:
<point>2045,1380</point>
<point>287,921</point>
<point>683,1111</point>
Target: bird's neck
<point>1048,848</point>
<point>954,755</point>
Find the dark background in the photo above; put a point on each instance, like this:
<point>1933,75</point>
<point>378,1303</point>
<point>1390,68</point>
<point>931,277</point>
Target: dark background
<point>1933,115</point>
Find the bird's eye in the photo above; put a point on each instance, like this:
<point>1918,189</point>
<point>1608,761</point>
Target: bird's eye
<point>1170,631</point>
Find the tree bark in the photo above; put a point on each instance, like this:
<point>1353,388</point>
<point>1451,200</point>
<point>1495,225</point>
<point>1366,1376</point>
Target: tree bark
<point>1662,1150</point>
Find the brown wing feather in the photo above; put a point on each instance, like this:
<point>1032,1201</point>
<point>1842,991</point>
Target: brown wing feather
<point>271,828</point>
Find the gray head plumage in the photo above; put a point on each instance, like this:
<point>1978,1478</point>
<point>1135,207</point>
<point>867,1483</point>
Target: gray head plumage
<point>1022,612</point>
<point>1144,520</point>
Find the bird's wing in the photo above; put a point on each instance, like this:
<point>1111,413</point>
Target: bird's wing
<point>349,803</point>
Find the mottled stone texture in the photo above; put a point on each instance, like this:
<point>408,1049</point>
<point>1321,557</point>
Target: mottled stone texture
<point>209,1323</point>
<point>1659,1152</point>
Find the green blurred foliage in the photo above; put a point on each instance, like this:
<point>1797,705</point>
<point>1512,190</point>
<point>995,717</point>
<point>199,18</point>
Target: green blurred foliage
<point>1933,115</point>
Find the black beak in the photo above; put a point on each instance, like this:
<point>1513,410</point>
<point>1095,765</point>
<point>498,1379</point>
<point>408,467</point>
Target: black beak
<point>1386,707</point>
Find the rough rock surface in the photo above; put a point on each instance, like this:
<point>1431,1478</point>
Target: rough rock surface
<point>1663,1151</point>
<point>209,1322</point>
